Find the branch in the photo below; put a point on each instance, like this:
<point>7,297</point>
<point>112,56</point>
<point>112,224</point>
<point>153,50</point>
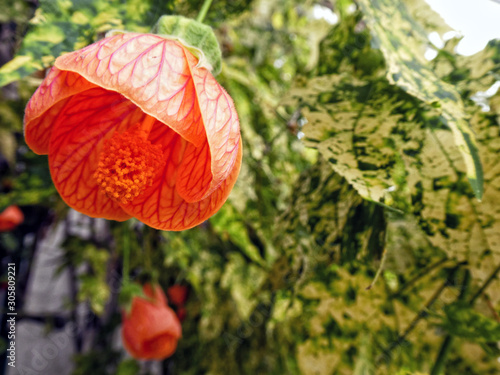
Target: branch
<point>486,284</point>
<point>421,314</point>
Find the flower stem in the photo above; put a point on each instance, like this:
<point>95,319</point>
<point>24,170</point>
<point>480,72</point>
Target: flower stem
<point>203,10</point>
<point>443,355</point>
<point>126,256</point>
<point>148,238</point>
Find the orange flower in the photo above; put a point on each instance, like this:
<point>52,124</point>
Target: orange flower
<point>177,294</point>
<point>134,128</point>
<point>151,329</point>
<point>10,218</point>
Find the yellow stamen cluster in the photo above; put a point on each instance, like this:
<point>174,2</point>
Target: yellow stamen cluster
<point>127,165</point>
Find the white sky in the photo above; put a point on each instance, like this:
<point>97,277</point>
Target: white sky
<point>477,20</point>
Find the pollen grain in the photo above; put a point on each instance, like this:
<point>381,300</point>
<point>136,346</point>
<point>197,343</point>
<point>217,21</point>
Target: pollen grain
<point>127,165</point>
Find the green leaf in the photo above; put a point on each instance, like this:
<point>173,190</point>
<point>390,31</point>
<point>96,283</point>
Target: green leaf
<point>235,277</point>
<point>127,294</point>
<point>93,287</point>
<point>441,198</point>
<point>8,146</point>
<point>402,41</point>
<point>364,363</point>
<point>327,221</point>
<point>463,321</point>
<point>197,37</point>
<point>61,26</point>
<point>31,187</point>
<point>394,149</point>
<point>95,291</point>
<point>231,227</point>
<point>128,366</point>
<point>350,121</point>
<point>480,70</point>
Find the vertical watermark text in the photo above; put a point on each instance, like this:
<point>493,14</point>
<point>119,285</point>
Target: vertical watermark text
<point>11,313</point>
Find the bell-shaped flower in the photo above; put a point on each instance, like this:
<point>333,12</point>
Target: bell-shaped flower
<point>10,218</point>
<point>151,329</point>
<point>177,294</point>
<point>133,127</point>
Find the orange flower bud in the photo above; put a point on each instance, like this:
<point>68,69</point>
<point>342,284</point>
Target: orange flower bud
<point>151,329</point>
<point>134,127</point>
<point>177,294</point>
<point>10,218</point>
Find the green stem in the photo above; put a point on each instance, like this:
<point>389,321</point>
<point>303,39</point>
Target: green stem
<point>126,256</point>
<point>379,271</point>
<point>440,363</point>
<point>421,314</point>
<point>148,238</point>
<point>203,10</point>
<point>425,272</point>
<point>486,284</point>
<point>442,356</point>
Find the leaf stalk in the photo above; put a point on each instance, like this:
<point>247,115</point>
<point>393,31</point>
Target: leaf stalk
<point>204,10</point>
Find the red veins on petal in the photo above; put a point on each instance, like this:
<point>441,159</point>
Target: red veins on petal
<point>151,329</point>
<point>162,207</point>
<point>10,218</point>
<point>149,70</point>
<point>154,85</point>
<point>46,103</point>
<point>78,135</point>
<point>222,129</point>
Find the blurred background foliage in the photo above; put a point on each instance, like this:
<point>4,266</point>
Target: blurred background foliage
<point>354,241</point>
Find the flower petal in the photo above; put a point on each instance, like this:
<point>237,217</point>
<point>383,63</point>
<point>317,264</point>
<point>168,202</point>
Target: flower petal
<point>151,330</point>
<point>149,70</point>
<point>161,346</point>
<point>79,132</point>
<point>223,134</point>
<point>160,206</point>
<point>177,294</point>
<point>113,84</point>
<point>156,294</point>
<point>10,218</point>
<point>195,173</point>
<point>45,104</point>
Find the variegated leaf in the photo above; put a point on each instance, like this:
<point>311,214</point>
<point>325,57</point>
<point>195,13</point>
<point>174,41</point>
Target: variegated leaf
<point>402,40</point>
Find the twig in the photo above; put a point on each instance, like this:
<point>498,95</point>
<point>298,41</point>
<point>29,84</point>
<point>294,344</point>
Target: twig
<point>491,307</point>
<point>421,314</point>
<point>488,281</point>
<point>419,275</point>
<point>380,268</point>
<point>438,367</point>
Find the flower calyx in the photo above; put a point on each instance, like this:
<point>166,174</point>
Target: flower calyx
<point>197,37</point>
